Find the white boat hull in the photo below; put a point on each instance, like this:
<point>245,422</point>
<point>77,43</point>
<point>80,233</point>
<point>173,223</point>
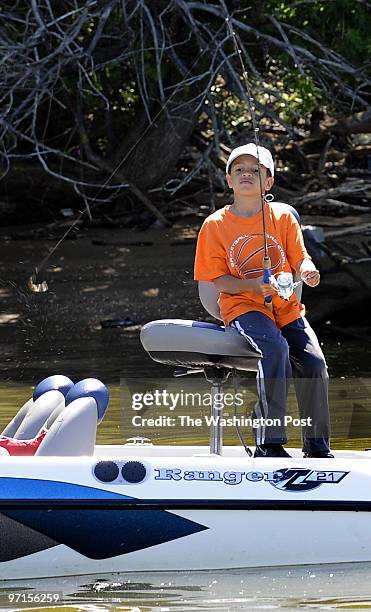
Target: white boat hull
<point>58,519</point>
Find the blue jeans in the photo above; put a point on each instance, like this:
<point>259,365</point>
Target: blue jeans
<point>294,352</point>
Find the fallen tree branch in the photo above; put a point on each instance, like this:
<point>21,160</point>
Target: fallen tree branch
<point>359,229</point>
<point>346,188</point>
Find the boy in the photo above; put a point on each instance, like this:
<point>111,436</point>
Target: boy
<point>229,253</point>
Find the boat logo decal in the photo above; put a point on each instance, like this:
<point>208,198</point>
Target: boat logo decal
<point>286,479</point>
<point>302,479</point>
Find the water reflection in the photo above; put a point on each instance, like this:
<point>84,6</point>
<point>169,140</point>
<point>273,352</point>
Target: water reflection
<point>187,403</point>
<point>326,587</point>
<point>350,406</point>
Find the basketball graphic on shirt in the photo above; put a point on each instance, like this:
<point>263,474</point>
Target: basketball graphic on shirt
<point>247,253</point>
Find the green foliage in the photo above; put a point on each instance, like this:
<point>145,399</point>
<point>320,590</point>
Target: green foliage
<point>299,94</point>
<point>341,25</point>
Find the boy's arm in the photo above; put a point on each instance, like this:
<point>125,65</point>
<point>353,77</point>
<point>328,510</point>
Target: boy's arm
<point>308,272</point>
<point>210,258</point>
<point>298,256</point>
<point>230,284</point>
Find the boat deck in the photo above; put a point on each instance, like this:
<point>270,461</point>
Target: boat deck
<point>153,450</point>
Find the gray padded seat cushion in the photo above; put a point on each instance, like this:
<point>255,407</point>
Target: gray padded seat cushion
<point>38,413</point>
<point>194,344</point>
<point>12,427</point>
<point>74,431</point>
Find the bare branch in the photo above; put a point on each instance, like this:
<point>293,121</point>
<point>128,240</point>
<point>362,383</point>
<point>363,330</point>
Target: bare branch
<point>83,85</point>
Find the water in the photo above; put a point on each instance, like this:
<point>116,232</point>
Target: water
<point>350,408</point>
<point>336,587</point>
<point>32,352</point>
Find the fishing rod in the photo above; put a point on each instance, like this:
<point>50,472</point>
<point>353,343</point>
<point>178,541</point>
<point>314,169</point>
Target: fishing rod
<point>284,282</point>
<point>267,265</point>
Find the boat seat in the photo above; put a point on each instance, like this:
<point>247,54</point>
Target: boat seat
<point>196,345</point>
<point>48,398</point>
<point>73,432</point>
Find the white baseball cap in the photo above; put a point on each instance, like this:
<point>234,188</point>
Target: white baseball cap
<point>265,156</point>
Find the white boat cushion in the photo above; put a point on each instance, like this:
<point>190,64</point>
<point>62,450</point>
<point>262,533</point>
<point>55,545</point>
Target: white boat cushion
<point>37,415</point>
<point>73,433</point>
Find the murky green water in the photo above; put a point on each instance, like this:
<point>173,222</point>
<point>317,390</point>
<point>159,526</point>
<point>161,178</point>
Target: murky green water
<point>350,402</point>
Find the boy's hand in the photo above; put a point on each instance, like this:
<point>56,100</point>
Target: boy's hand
<point>309,273</point>
<point>310,277</point>
<point>266,289</point>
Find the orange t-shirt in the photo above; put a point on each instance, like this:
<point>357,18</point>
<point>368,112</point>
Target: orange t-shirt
<point>229,244</point>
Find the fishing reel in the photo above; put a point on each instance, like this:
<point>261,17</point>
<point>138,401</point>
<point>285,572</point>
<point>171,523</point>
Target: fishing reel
<point>284,284</point>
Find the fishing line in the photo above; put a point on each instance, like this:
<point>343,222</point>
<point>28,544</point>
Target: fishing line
<point>34,283</point>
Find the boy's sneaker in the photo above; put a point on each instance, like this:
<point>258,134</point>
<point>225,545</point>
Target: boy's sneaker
<point>318,455</point>
<point>270,450</point>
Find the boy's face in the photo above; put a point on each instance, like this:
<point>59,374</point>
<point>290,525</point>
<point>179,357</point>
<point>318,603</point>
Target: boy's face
<point>243,176</point>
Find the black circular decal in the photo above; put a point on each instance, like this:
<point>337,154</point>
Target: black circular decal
<point>106,471</point>
<point>133,471</point>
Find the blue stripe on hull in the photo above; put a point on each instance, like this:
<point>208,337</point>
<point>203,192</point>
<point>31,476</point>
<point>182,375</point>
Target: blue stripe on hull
<point>30,488</point>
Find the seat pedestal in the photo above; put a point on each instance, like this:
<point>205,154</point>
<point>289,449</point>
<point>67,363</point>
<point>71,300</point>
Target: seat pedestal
<point>217,377</point>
